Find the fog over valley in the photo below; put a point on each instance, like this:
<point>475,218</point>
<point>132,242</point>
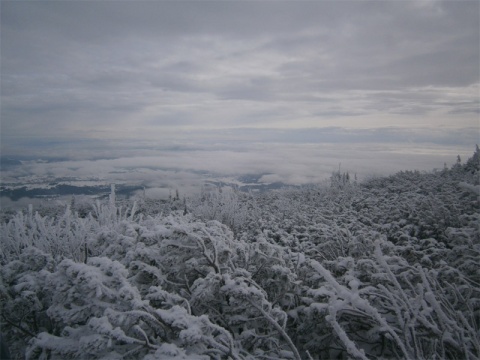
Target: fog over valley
<point>252,166</point>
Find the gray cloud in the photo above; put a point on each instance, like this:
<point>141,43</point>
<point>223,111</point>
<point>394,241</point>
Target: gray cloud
<point>172,72</point>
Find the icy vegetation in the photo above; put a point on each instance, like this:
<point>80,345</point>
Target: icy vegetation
<point>387,268</point>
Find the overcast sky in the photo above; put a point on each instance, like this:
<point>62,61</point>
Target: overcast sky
<point>86,79</point>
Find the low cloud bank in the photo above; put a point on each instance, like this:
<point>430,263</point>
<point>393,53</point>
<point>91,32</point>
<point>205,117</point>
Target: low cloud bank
<point>293,164</point>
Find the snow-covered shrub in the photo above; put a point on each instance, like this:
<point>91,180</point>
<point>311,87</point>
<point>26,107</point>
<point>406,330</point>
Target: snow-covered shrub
<point>98,314</point>
<point>194,249</point>
<point>226,205</point>
<point>385,308</point>
<point>24,297</point>
<point>61,237</point>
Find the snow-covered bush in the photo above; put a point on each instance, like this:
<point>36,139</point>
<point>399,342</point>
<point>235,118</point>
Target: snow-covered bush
<point>24,297</point>
<point>98,314</point>
<point>226,205</point>
<point>384,308</point>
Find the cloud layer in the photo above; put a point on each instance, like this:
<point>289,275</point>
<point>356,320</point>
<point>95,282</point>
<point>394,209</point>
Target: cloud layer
<point>295,163</point>
<point>92,80</point>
